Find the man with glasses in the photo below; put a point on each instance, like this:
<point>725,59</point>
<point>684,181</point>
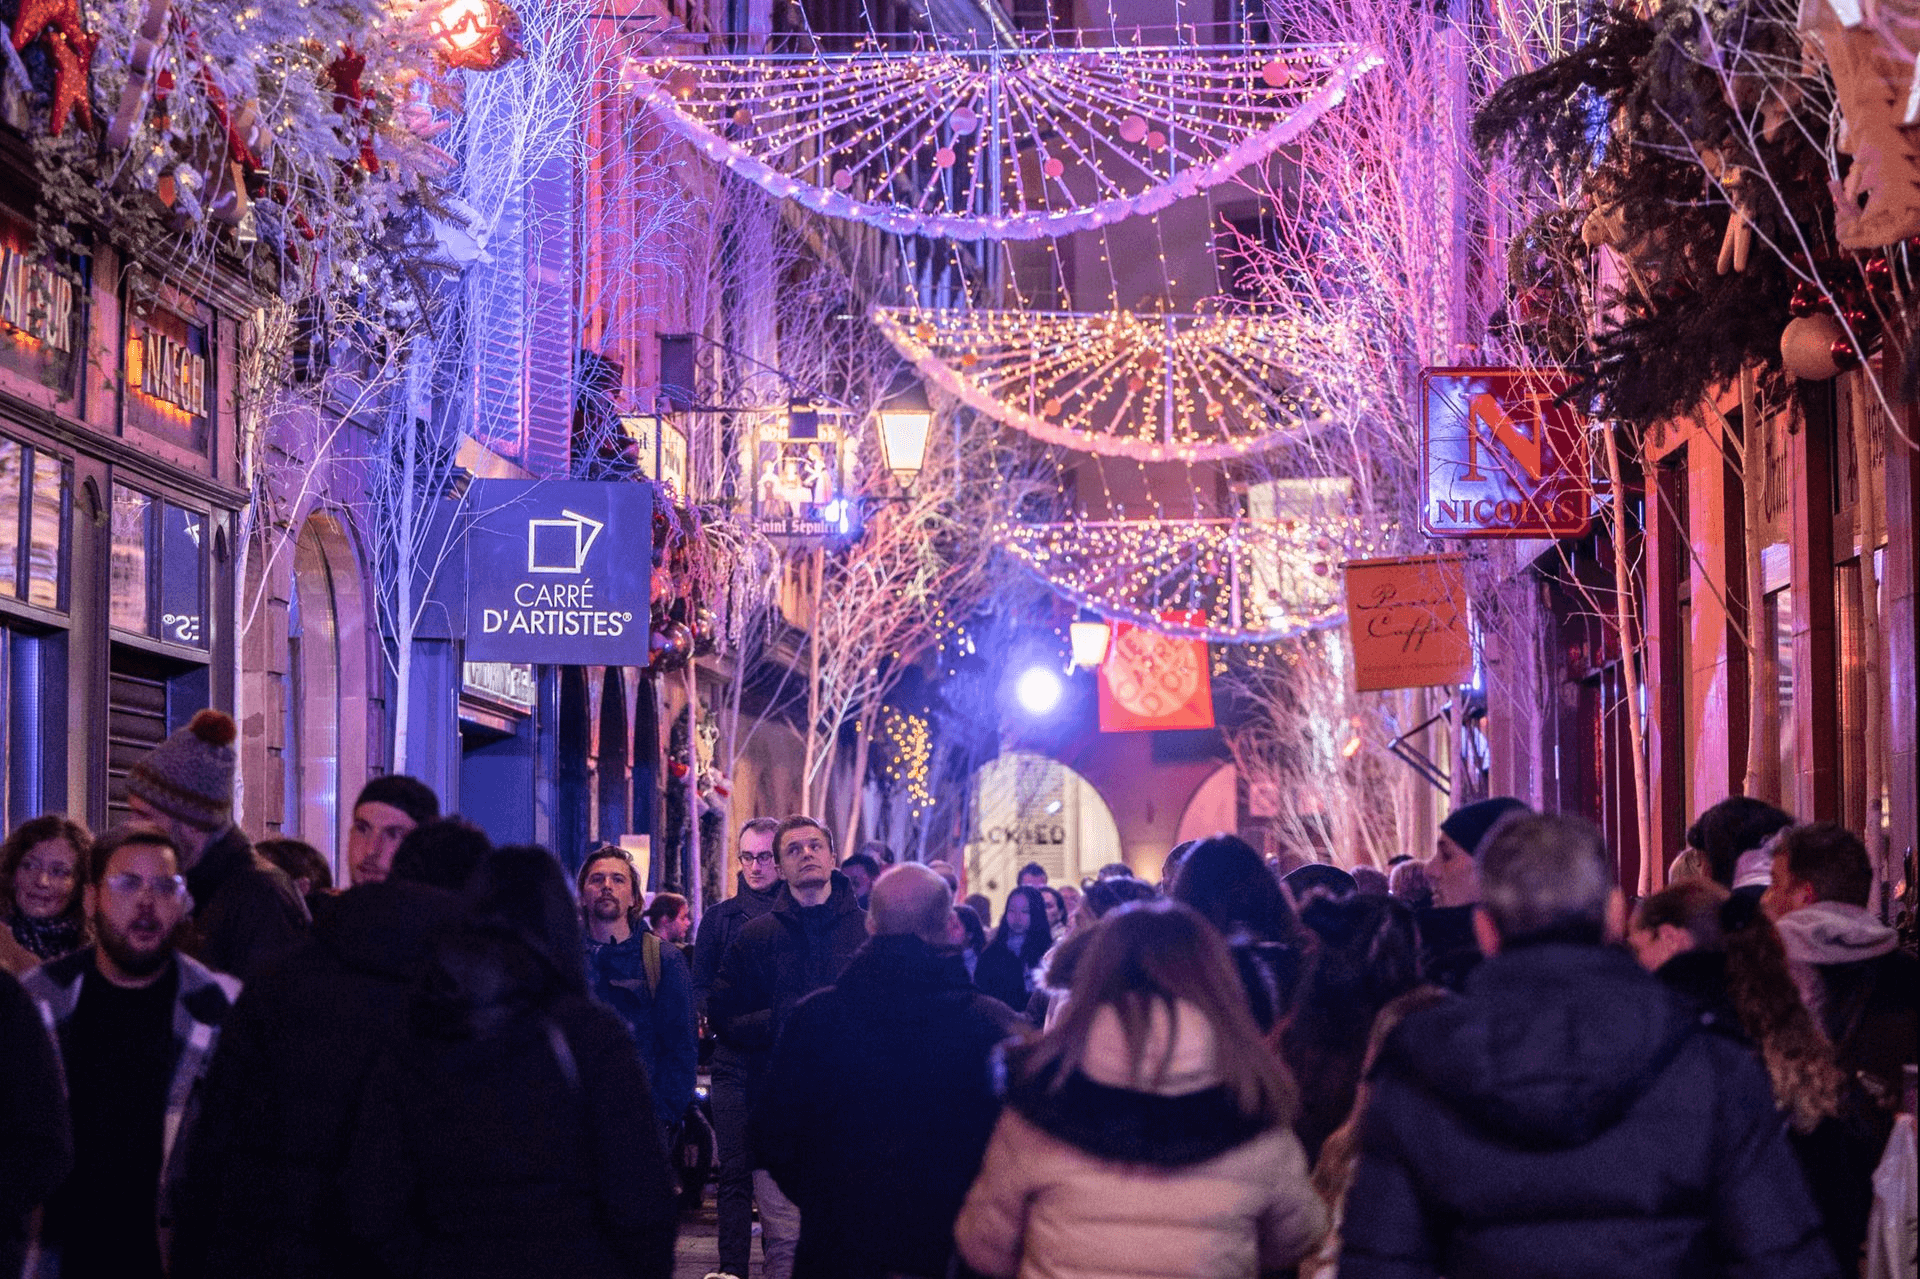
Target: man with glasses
<point>136,1023</point>
<point>798,947</point>
<point>755,890</point>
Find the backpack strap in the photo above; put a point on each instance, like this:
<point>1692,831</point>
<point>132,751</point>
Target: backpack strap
<point>650,960</point>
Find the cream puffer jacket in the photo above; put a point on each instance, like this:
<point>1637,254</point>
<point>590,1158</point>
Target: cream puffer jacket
<point>1115,1177</point>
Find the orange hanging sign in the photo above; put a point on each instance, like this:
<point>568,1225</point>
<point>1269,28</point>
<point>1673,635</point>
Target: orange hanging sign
<point>1152,681</point>
<point>1408,620</point>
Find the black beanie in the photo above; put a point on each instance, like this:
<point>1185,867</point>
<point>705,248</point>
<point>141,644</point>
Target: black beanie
<point>408,794</point>
<point>1468,826</point>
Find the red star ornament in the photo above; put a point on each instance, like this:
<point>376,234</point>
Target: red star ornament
<point>72,74</point>
<point>70,47</point>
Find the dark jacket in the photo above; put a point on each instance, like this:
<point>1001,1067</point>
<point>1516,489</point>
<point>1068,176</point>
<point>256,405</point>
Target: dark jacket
<point>1872,1015</point>
<point>509,1132</point>
<point>247,915</point>
<point>1571,1116</point>
<point>1000,973</point>
<point>879,1181</point>
<point>36,1140</point>
<point>661,1020</point>
<point>266,1158</point>
<point>1839,1156</point>
<point>718,927</point>
<point>776,961</point>
<point>201,1003</point>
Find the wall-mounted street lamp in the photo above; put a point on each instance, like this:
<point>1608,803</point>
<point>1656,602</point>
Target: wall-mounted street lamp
<point>905,421</point>
<point>476,35</point>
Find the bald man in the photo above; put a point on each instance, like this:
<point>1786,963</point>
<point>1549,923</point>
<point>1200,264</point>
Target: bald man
<point>878,1181</point>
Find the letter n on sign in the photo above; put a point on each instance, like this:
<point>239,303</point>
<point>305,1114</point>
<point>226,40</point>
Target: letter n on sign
<point>1504,455</point>
<point>1408,620</point>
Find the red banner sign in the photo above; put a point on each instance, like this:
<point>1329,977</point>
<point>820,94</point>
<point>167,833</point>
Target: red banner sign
<point>1503,456</point>
<point>1153,681</point>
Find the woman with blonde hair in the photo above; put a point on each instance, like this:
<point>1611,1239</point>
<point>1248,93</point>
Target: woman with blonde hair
<point>1149,1133</point>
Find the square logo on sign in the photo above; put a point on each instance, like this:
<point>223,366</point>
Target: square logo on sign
<point>1503,455</point>
<point>561,546</point>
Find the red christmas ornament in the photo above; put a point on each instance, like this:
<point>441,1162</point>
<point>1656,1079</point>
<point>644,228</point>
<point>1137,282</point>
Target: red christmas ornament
<point>477,35</point>
<point>70,47</point>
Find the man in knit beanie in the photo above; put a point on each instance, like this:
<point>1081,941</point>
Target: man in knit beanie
<point>1447,943</point>
<point>246,912</point>
<point>385,814</point>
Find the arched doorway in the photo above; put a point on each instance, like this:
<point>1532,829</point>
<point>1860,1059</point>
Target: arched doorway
<point>325,711</point>
<point>1029,808</point>
<point>1215,807</point>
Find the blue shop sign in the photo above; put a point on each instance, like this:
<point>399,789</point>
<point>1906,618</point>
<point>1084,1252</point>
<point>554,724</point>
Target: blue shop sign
<point>559,572</point>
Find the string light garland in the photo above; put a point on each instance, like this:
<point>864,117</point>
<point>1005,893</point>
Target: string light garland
<point>995,143</point>
<point>1151,387</point>
<point>1223,580</point>
<point>908,756</point>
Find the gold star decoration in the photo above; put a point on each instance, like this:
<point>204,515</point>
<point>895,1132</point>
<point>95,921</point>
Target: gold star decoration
<point>70,46</point>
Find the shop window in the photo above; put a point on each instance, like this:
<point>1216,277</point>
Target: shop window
<point>183,587</point>
<point>127,575</point>
<point>158,569</point>
<point>13,461</point>
<point>35,502</point>
<point>33,760</point>
<point>51,504</point>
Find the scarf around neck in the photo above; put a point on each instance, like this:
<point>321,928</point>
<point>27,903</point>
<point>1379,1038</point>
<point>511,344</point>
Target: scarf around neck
<point>48,938</point>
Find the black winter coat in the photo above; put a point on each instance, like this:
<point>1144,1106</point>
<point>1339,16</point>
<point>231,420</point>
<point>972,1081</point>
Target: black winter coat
<point>36,1140</point>
<point>718,927</point>
<point>520,1144</point>
<point>247,915</point>
<point>879,1181</point>
<point>776,961</point>
<point>1872,1014</point>
<point>265,1158</point>
<point>1570,1116</point>
<point>1001,974</point>
<point>1839,1156</point>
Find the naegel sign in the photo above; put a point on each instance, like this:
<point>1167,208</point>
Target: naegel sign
<point>559,572</point>
<point>1503,457</point>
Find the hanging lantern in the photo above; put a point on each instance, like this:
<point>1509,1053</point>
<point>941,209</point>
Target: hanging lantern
<point>476,35</point>
<point>905,419</point>
<point>1089,640</point>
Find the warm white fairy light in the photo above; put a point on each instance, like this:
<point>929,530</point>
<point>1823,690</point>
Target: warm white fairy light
<point>1225,580</point>
<point>1151,387</point>
<point>998,144</point>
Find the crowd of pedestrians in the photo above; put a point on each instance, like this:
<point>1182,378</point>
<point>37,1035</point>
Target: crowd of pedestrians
<point>469,1063</point>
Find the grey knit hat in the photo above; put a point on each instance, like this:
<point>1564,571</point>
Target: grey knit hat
<point>190,775</point>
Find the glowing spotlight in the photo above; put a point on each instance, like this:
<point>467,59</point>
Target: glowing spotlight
<point>1038,690</point>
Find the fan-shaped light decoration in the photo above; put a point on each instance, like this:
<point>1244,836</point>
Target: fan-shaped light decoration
<point>997,144</point>
<point>1175,387</point>
<point>1232,581</point>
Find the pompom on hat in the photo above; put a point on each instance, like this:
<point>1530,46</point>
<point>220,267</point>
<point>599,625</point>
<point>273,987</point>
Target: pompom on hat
<point>189,777</point>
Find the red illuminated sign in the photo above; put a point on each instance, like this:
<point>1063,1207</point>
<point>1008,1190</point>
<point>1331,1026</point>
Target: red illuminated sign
<point>1151,681</point>
<point>1503,457</point>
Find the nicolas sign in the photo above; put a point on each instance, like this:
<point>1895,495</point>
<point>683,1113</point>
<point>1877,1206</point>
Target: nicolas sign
<point>559,572</point>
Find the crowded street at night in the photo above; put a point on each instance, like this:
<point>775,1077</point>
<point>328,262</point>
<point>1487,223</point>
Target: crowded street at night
<point>959,639</point>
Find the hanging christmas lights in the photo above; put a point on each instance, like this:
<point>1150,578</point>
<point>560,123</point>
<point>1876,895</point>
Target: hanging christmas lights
<point>1152,387</point>
<point>997,144</point>
<point>1224,580</point>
